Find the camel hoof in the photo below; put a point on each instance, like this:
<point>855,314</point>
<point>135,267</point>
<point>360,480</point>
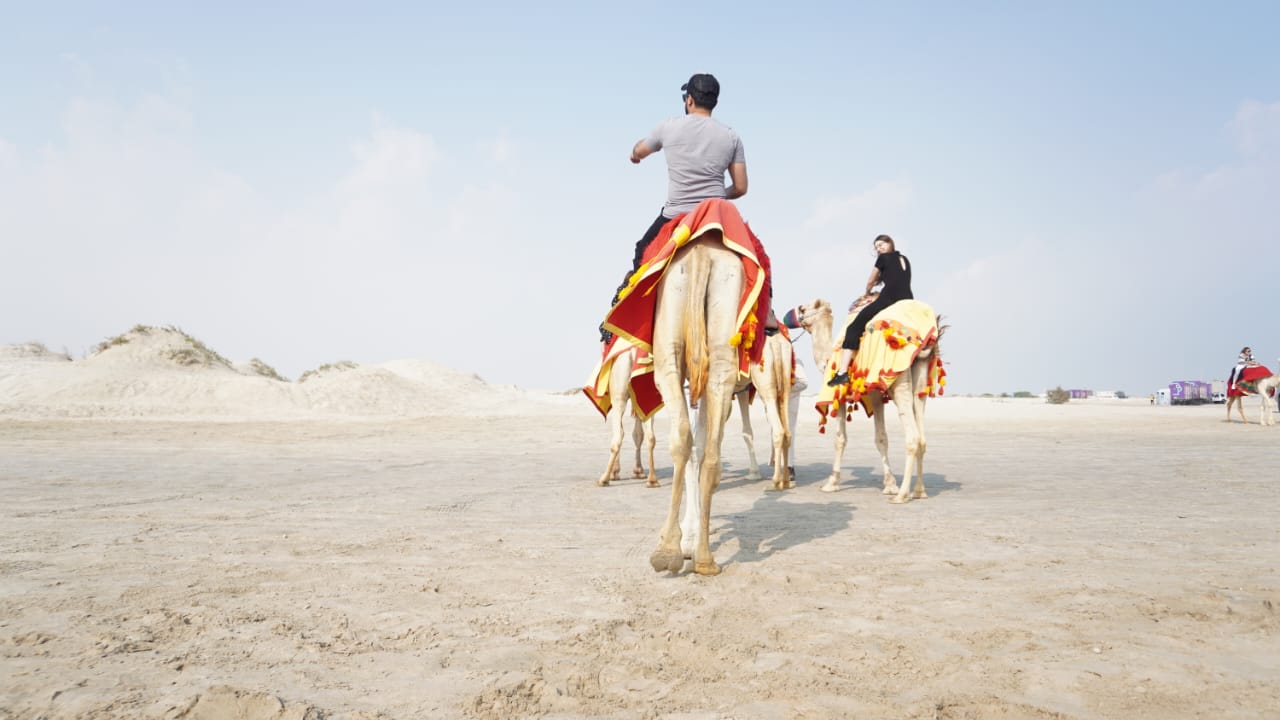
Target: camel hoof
<point>755,475</point>
<point>637,473</point>
<point>920,495</point>
<point>603,482</point>
<point>706,568</point>
<point>830,486</point>
<point>664,560</point>
<point>653,483</point>
<point>889,490</point>
<point>898,500</point>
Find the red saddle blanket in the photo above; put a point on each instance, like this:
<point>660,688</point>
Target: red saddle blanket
<point>1247,381</point>
<point>632,317</point>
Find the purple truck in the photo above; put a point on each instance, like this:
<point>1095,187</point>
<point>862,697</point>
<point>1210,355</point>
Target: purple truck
<point>1189,392</point>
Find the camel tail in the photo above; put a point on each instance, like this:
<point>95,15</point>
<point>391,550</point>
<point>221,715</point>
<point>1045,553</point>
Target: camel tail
<point>781,371</point>
<point>697,357</point>
<point>937,342</point>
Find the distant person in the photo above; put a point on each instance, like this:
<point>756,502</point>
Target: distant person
<point>894,270</point>
<point>1243,360</point>
<point>699,151</point>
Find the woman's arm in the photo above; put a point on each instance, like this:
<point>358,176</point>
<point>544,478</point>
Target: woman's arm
<point>873,280</point>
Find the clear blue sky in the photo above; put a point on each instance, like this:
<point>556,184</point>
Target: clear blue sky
<point>1087,191</point>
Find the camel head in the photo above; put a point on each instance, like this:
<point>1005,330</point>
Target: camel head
<point>816,320</point>
<point>810,314</point>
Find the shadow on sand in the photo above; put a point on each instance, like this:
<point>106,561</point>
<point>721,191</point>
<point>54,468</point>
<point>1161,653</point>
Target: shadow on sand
<point>774,523</point>
<point>865,477</point>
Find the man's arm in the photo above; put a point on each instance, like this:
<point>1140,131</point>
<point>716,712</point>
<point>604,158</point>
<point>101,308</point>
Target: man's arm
<point>640,151</point>
<point>738,178</point>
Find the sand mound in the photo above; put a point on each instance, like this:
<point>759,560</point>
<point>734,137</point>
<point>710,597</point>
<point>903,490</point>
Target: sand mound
<point>32,351</point>
<point>226,703</point>
<point>163,346</point>
<point>164,372</point>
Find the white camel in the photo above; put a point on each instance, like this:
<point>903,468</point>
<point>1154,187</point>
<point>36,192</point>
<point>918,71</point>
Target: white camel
<point>1264,387</point>
<point>1267,386</point>
<point>695,320</point>
<point>908,392</point>
<point>620,404</point>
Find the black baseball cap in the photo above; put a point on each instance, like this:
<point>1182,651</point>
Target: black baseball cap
<point>704,84</point>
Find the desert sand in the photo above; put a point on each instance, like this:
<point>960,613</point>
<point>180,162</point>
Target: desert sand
<point>183,537</point>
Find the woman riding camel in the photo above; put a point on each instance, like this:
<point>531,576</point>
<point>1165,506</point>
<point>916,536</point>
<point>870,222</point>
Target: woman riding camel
<point>894,270</point>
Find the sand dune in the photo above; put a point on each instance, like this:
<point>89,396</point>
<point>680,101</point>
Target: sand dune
<point>164,373</point>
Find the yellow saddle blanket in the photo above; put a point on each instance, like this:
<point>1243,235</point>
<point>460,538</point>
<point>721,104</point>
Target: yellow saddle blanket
<point>890,344</point>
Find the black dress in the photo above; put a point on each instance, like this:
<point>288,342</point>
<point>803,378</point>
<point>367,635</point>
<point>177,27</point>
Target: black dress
<point>895,273</point>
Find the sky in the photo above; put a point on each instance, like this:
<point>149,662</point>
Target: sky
<point>1087,191</point>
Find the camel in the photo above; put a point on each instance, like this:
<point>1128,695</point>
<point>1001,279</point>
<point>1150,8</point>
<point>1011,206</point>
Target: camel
<point>620,398</point>
<point>908,392</point>
<point>1264,387</point>
<point>772,382</point>
<point>696,320</point>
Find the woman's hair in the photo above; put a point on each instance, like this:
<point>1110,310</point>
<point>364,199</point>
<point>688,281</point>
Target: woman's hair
<point>1244,349</point>
<point>886,238</point>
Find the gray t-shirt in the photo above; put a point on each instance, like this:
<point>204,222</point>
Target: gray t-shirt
<point>699,151</point>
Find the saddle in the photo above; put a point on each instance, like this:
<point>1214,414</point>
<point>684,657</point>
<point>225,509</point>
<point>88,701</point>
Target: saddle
<point>632,317</point>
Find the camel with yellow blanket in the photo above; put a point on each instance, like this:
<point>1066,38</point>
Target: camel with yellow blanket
<point>898,360</point>
<point>696,305</point>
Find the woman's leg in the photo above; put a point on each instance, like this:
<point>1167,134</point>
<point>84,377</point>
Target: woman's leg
<point>853,338</point>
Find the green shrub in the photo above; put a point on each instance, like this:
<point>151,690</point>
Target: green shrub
<point>1057,396</point>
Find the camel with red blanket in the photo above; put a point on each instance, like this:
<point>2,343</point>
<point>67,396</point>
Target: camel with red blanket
<point>695,303</point>
<point>1254,380</point>
<point>625,359</point>
<point>899,361</point>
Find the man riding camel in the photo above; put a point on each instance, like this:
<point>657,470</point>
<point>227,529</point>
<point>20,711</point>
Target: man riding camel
<point>699,152</point>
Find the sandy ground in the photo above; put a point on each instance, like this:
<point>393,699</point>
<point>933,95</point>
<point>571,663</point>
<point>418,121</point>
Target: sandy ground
<point>1089,560</point>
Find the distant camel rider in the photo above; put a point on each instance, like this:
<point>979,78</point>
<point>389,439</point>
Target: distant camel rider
<point>699,152</point>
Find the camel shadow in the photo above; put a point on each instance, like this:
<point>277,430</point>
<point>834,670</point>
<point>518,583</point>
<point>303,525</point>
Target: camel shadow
<point>773,524</point>
<point>865,476</point>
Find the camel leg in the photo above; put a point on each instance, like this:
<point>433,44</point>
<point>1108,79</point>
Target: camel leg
<point>903,400</point>
<point>652,443</point>
<point>637,436</point>
<point>778,454</point>
<point>1238,402</point>
<point>668,556</point>
<point>833,482</point>
<point>748,435</point>
<point>783,443</point>
<point>876,403</point>
<point>793,416</point>
<point>619,397</point>
<point>718,405</point>
<point>611,470</point>
<point>919,381</point>
<point>689,517</point>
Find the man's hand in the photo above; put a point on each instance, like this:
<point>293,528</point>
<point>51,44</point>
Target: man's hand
<point>640,151</point>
